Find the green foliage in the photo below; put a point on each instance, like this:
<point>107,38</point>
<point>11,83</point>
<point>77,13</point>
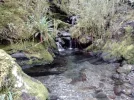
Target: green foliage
<point>14,17</point>
<point>31,49</point>
<point>21,20</point>
<point>123,48</point>
<point>15,14</point>
<point>129,29</point>
<point>18,46</point>
<point>11,71</point>
<point>44,27</point>
<point>6,87</point>
<point>93,16</point>
<point>96,45</point>
<point>40,52</point>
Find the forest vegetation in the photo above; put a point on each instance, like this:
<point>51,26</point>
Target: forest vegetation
<point>32,25</point>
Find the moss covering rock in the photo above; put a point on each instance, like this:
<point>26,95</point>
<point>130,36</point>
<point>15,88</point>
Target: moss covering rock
<point>30,53</point>
<point>121,49</point>
<point>12,79</point>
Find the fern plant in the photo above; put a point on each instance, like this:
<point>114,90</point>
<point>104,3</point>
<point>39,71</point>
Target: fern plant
<point>44,28</point>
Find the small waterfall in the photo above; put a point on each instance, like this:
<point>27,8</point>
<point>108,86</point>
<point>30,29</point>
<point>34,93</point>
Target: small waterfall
<point>64,41</point>
<point>74,19</point>
<point>70,44</point>
<point>60,48</point>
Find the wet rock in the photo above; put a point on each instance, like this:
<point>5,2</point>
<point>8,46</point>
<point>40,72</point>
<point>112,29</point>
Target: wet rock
<point>97,54</point>
<point>88,88</point>
<point>115,76</point>
<point>54,97</point>
<point>132,67</point>
<point>122,77</point>
<point>118,82</point>
<point>125,97</point>
<point>103,79</point>
<point>127,91</point>
<point>127,85</point>
<point>124,62</point>
<point>90,99</point>
<point>132,92</point>
<point>27,59</point>
<point>64,34</point>
<point>125,69</point>
<point>109,58</point>
<point>101,95</point>
<point>83,76</point>
<point>130,77</point>
<point>131,3</point>
<point>101,85</point>
<point>116,65</point>
<point>20,55</point>
<point>117,90</point>
<point>112,96</point>
<point>97,90</point>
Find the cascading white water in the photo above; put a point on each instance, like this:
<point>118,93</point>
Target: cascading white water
<point>60,48</point>
<point>70,44</point>
<point>74,19</point>
<point>64,38</point>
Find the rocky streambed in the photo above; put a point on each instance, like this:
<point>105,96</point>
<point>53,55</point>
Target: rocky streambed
<point>84,77</point>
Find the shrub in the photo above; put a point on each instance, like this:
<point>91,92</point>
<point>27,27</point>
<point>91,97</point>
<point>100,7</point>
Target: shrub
<point>44,28</point>
<point>123,49</point>
<point>93,16</point>
<point>15,14</point>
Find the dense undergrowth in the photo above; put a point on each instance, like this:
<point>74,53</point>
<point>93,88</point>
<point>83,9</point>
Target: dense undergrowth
<point>30,26</point>
<point>33,20</point>
<point>103,21</point>
<point>22,23</point>
<point>15,18</point>
<point>92,15</point>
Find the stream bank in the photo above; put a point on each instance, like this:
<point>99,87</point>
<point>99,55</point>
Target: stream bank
<point>73,75</point>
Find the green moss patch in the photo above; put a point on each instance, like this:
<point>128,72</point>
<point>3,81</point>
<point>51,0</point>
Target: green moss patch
<point>13,80</point>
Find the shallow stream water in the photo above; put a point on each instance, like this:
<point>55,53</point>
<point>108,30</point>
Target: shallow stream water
<point>77,76</point>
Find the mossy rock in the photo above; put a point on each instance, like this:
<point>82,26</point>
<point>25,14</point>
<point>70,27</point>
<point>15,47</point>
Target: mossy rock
<point>123,49</point>
<point>14,80</point>
<point>35,53</point>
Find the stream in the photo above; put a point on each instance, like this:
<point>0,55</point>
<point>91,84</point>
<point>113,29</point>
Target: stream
<point>78,76</point>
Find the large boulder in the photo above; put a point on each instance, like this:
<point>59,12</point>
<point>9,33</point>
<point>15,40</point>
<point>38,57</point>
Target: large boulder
<point>14,81</point>
<point>30,54</point>
<point>125,69</point>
